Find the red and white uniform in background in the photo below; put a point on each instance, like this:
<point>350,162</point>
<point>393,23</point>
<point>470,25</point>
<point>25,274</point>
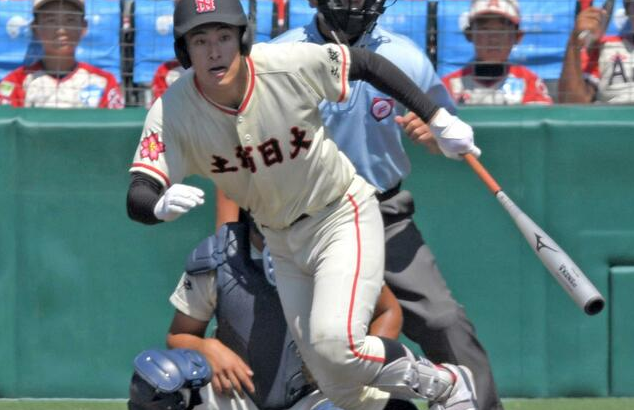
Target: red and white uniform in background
<point>85,87</point>
<point>519,86</point>
<point>610,68</point>
<point>165,75</point>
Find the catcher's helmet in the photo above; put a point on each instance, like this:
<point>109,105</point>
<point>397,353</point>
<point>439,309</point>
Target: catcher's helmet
<point>168,379</point>
<point>193,13</point>
<point>353,20</point>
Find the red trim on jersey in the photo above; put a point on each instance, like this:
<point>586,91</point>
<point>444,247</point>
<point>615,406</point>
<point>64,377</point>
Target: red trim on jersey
<point>351,345</point>
<point>344,75</point>
<point>247,97</point>
<point>156,171</point>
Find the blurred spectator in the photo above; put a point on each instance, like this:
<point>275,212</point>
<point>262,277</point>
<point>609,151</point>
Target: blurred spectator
<point>494,28</point>
<point>58,80</point>
<point>165,75</point>
<point>603,72</point>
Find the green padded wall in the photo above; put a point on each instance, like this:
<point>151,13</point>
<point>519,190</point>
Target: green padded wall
<point>83,288</point>
<point>622,330</point>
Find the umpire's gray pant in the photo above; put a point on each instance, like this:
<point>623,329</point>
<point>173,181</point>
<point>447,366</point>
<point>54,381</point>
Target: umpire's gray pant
<point>432,317</point>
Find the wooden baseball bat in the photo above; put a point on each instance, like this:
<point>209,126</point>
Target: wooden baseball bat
<point>559,264</point>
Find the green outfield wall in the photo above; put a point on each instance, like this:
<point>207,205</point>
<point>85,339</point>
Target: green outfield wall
<point>83,288</point>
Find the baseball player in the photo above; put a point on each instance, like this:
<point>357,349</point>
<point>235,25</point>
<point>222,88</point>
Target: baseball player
<point>433,319</point>
<point>605,71</point>
<point>58,80</point>
<point>254,360</point>
<point>494,28</point>
<point>248,118</point>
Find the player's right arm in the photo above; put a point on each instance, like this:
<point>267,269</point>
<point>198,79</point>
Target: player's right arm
<point>154,194</point>
<point>230,372</point>
<point>572,87</point>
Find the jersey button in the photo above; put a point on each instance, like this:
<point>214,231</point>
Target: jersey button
<point>240,119</point>
<point>247,137</point>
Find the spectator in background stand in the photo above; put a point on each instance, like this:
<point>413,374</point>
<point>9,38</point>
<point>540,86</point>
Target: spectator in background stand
<point>165,75</point>
<point>58,80</point>
<point>494,28</point>
<point>603,72</point>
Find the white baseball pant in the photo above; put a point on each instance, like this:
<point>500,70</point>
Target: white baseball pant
<point>329,271</point>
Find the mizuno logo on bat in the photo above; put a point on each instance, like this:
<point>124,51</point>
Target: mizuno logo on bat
<point>541,244</point>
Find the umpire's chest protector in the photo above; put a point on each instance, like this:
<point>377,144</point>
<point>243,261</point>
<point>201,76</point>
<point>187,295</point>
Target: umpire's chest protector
<point>251,322</point>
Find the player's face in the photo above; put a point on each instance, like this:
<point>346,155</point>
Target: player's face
<point>214,50</point>
<point>493,37</point>
<point>59,26</point>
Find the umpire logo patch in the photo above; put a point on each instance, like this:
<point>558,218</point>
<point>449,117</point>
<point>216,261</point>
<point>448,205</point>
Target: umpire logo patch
<point>381,108</point>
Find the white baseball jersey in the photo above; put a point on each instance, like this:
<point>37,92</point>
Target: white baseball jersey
<point>85,87</point>
<point>610,68</point>
<point>519,86</point>
<point>271,154</point>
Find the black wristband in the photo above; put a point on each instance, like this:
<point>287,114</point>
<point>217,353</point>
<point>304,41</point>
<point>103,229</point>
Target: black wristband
<point>143,194</point>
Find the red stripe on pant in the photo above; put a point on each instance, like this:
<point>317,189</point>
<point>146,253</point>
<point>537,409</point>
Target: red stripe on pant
<point>354,288</point>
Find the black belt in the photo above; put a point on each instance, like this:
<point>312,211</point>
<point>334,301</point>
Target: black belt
<point>385,195</point>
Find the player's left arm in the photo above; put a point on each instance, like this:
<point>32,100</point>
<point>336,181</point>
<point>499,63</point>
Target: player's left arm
<point>453,135</point>
<point>388,316</point>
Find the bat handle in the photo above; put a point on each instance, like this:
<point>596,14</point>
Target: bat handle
<point>481,172</point>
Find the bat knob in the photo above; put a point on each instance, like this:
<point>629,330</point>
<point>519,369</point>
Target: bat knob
<point>594,305</point>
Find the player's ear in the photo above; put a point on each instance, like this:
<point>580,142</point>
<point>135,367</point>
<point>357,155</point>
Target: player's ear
<point>84,27</point>
<point>468,34</point>
<point>519,35</point>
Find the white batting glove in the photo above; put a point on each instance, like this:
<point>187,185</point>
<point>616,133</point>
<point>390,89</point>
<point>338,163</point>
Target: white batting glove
<point>177,200</point>
<point>454,136</point>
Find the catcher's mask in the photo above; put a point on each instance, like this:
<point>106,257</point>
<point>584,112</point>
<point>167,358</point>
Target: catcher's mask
<point>352,17</point>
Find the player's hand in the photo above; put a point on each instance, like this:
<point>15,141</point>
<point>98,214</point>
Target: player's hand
<point>177,200</point>
<point>418,131</point>
<point>230,372</point>
<point>455,137</point>
<point>590,21</point>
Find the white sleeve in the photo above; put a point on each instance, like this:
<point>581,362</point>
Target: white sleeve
<point>196,296</point>
<point>159,153</point>
<point>326,68</point>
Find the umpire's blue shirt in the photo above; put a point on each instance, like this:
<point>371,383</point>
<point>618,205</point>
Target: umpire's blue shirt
<point>364,127</point>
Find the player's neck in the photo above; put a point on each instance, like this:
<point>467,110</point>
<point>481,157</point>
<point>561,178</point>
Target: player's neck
<point>58,66</point>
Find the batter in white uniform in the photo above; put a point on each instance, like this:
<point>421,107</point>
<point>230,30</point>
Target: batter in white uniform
<point>250,121</point>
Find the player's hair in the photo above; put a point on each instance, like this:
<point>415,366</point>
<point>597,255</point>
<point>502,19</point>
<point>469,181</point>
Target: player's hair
<point>354,22</point>
<point>188,15</point>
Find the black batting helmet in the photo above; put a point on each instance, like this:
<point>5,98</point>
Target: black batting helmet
<point>352,20</point>
<point>193,13</point>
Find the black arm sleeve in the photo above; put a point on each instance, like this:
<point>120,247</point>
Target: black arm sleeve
<point>386,77</point>
<point>143,194</point>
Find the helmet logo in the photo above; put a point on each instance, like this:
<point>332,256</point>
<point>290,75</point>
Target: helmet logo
<point>205,6</point>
